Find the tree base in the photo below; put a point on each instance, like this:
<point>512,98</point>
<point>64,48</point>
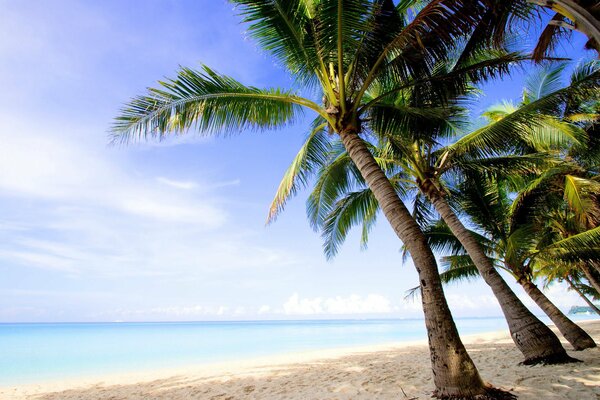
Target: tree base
<point>585,347</point>
<point>491,393</point>
<point>551,360</point>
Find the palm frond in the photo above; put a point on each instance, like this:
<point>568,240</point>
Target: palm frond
<point>515,128</point>
<point>337,176</point>
<point>520,243</point>
<point>311,155</point>
<point>209,102</point>
<point>578,193</point>
<point>349,211</point>
<point>485,202</point>
<point>549,38</point>
<point>427,39</point>
<point>443,85</point>
<point>542,82</point>
<point>423,212</point>
<point>501,165</point>
<point>458,268</point>
<point>441,240</point>
<point>584,246</point>
<point>285,28</point>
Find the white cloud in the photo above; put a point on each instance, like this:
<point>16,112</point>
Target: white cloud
<point>353,304</point>
<point>97,212</point>
<point>264,309</point>
<point>48,164</point>
<point>186,185</point>
<point>296,306</point>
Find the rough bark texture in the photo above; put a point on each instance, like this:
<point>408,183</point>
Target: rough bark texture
<point>454,373</point>
<point>533,338</point>
<point>583,296</point>
<point>578,338</point>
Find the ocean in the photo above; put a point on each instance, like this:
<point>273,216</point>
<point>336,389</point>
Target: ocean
<point>38,352</point>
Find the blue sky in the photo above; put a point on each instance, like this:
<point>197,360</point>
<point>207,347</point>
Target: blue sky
<point>173,230</point>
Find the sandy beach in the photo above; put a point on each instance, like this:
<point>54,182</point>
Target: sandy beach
<point>400,371</point>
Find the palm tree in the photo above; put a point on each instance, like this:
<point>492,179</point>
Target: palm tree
<point>423,163</point>
<point>582,291</point>
<point>565,180</point>
<point>568,194</point>
<point>344,48</point>
<point>516,248</point>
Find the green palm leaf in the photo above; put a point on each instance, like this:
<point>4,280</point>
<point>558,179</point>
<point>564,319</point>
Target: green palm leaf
<point>542,82</point>
<point>584,246</point>
<point>458,268</point>
<point>286,29</point>
<point>577,193</point>
<point>508,132</point>
<point>209,102</point>
<point>311,155</point>
<point>353,209</point>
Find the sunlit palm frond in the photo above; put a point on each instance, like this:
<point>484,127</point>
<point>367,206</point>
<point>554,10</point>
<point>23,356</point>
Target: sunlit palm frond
<point>208,102</point>
<point>285,28</point>
<point>543,81</point>
<point>584,246</point>
<point>578,193</point>
<point>311,156</point>
<point>501,165</point>
<point>519,126</point>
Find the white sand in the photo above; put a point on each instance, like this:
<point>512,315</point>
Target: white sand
<point>400,371</point>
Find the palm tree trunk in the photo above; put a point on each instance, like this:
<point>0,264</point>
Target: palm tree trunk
<point>533,338</point>
<point>583,296</point>
<point>454,373</point>
<point>596,265</point>
<point>578,338</point>
<point>590,276</point>
<point>584,21</point>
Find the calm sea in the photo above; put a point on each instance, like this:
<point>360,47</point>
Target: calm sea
<point>39,352</point>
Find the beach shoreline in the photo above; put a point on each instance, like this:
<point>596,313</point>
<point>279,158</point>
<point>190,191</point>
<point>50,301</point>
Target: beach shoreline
<point>390,370</point>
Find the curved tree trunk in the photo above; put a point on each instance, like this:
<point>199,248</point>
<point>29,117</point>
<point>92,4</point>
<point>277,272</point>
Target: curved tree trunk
<point>584,21</point>
<point>533,338</point>
<point>595,264</point>
<point>590,276</point>
<point>454,373</point>
<point>583,296</point>
<point>578,338</point>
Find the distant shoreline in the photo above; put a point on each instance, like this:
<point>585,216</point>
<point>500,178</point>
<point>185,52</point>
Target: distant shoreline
<point>353,370</point>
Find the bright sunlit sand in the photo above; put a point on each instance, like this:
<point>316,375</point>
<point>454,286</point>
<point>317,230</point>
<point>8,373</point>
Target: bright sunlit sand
<point>401,371</point>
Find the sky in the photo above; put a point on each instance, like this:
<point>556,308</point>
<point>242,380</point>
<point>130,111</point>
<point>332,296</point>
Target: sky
<point>173,230</point>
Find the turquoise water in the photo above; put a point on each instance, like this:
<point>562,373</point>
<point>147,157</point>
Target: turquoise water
<point>39,352</point>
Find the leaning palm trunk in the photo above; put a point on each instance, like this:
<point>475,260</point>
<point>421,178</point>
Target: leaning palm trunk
<point>533,338</point>
<point>455,374</point>
<point>590,276</point>
<point>584,21</point>
<point>578,338</point>
<point>583,296</point>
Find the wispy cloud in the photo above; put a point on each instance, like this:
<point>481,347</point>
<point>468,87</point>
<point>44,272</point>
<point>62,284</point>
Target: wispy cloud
<point>185,185</point>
